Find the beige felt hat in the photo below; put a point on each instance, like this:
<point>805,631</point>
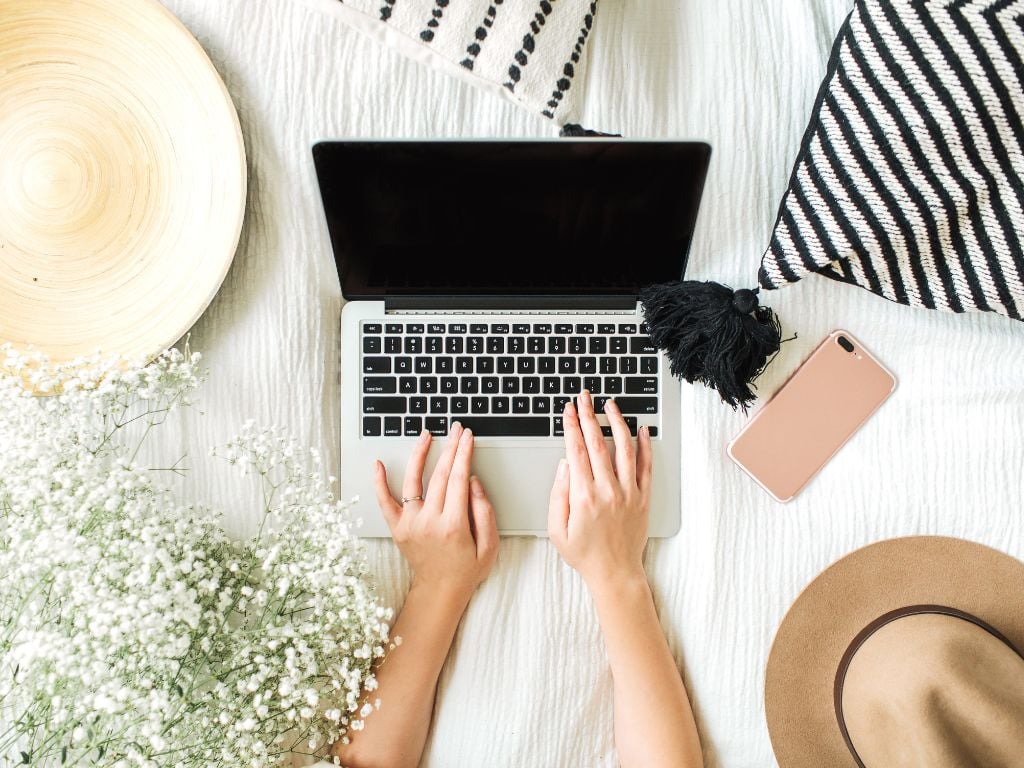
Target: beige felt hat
<point>904,653</point>
<point>122,177</point>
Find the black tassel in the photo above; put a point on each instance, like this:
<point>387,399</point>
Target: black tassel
<point>713,335</point>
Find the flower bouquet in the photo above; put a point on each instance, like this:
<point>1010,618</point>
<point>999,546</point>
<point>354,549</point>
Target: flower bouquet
<point>133,630</point>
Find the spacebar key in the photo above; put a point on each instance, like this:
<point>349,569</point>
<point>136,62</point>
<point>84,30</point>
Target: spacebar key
<point>512,426</point>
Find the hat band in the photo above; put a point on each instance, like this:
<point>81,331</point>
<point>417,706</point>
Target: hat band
<point>877,624</point>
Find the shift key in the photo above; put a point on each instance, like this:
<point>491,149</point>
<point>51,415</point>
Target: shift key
<point>637,404</point>
<point>384,405</point>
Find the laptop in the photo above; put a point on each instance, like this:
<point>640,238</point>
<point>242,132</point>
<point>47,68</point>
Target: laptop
<point>489,282</point>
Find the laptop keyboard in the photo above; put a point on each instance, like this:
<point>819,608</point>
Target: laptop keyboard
<point>502,379</point>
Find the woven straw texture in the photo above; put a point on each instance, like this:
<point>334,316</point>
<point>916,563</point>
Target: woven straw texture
<point>122,177</point>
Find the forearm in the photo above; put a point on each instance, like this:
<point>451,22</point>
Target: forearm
<point>394,735</point>
<point>654,723</point>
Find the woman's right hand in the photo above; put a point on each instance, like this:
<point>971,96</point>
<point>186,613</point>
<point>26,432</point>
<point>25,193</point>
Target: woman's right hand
<point>597,516</point>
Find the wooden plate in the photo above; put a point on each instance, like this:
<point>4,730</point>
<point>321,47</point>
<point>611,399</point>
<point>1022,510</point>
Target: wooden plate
<point>122,177</point>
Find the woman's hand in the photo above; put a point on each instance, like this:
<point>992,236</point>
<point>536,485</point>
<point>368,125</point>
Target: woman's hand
<point>597,516</point>
<point>450,538</point>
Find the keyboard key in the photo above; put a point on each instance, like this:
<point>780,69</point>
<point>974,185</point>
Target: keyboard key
<point>475,345</point>
<point>648,365</point>
<point>627,365</point>
<point>631,423</point>
<point>613,385</point>
<point>456,328</point>
<point>546,365</point>
<point>641,345</point>
<point>541,405</point>
<point>592,384</point>
<point>521,328</point>
<point>407,385</point>
<point>453,345</point>
<point>417,405</point>
<point>567,365</point>
<point>563,328</point>
<point>606,432</point>
<point>469,385</point>
<point>444,365</point>
<point>508,426</point>
<point>531,385</point>
<point>371,345</point>
<point>437,426</point>
<point>552,385</point>
<point>559,429</point>
<point>520,405</point>
<point>499,405</point>
<point>376,365</point>
<point>653,431</point>
<point>464,365</point>
<point>414,328</point>
<point>371,328</point>
<point>478,404</point>
<point>393,344</point>
<point>413,345</point>
<point>506,365</point>
<point>637,404</point>
<point>608,365</point>
<point>577,345</point>
<point>449,385</point>
<point>584,328</point>
<point>424,365</point>
<point>428,385</point>
<point>380,385</point>
<point>499,327</point>
<point>413,425</point>
<point>371,426</point>
<point>606,328</point>
<point>434,345</point>
<point>535,345</point>
<point>617,345</point>
<point>495,345</point>
<point>599,403</point>
<point>392,426</point>
<point>393,328</point>
<point>526,365</point>
<point>489,385</point>
<point>435,328</point>
<point>516,345</point>
<point>384,405</point>
<point>627,328</point>
<point>556,345</point>
<point>559,403</point>
<point>439,405</point>
<point>637,385</point>
<point>460,404</point>
<point>572,385</point>
<point>485,365</point>
<point>644,329</point>
<point>597,345</point>
<point>588,365</point>
<point>541,328</point>
<point>403,365</point>
<point>478,328</point>
<point>510,385</point>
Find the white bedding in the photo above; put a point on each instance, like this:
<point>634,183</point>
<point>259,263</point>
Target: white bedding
<point>527,682</point>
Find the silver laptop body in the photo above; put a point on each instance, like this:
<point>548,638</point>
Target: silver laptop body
<point>429,334</point>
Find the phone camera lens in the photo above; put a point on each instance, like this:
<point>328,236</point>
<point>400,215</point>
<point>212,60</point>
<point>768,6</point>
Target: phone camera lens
<point>845,343</point>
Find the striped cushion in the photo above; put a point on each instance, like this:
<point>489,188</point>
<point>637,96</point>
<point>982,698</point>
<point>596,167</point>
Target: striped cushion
<point>909,178</point>
<point>530,51</point>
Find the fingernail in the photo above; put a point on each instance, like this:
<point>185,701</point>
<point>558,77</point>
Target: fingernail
<point>563,469</point>
<point>474,486</point>
<point>568,407</point>
<point>585,396</point>
<point>378,465</point>
<point>424,436</point>
<point>643,431</point>
<point>467,434</point>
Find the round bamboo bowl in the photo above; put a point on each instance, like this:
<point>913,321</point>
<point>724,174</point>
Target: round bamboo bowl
<point>122,177</point>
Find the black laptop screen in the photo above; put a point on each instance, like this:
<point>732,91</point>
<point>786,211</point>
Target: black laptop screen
<point>551,218</point>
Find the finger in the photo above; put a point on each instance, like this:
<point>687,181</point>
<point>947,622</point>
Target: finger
<point>412,483</point>
<point>558,504</point>
<point>390,508</point>
<point>625,456</point>
<point>644,461</point>
<point>484,523</point>
<point>456,500</point>
<point>438,484</point>
<point>600,461</point>
<point>575,446</point>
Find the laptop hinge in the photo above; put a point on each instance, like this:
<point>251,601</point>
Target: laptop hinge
<point>511,303</point>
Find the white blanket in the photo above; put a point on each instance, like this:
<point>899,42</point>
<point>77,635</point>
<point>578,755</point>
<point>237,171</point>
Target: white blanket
<point>527,682</point>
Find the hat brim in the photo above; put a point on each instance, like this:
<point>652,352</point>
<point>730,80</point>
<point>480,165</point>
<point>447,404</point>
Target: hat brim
<point>849,595</point>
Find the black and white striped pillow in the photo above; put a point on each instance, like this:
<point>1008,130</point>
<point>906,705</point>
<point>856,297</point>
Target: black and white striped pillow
<point>909,178</point>
<point>530,51</point>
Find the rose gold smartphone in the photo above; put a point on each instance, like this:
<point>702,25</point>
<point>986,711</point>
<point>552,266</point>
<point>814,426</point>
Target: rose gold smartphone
<point>810,418</point>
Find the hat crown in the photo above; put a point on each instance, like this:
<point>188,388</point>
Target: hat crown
<point>934,689</point>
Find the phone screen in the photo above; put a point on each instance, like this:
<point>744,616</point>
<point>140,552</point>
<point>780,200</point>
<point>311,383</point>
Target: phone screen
<point>810,418</point>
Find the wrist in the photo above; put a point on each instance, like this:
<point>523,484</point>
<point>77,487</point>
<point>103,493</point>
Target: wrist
<point>617,586</point>
<point>444,595</point>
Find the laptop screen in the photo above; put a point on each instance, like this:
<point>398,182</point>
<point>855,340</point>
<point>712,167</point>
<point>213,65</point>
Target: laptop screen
<point>493,218</point>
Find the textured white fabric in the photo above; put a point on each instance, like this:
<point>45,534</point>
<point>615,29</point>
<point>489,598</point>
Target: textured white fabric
<point>527,682</point>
